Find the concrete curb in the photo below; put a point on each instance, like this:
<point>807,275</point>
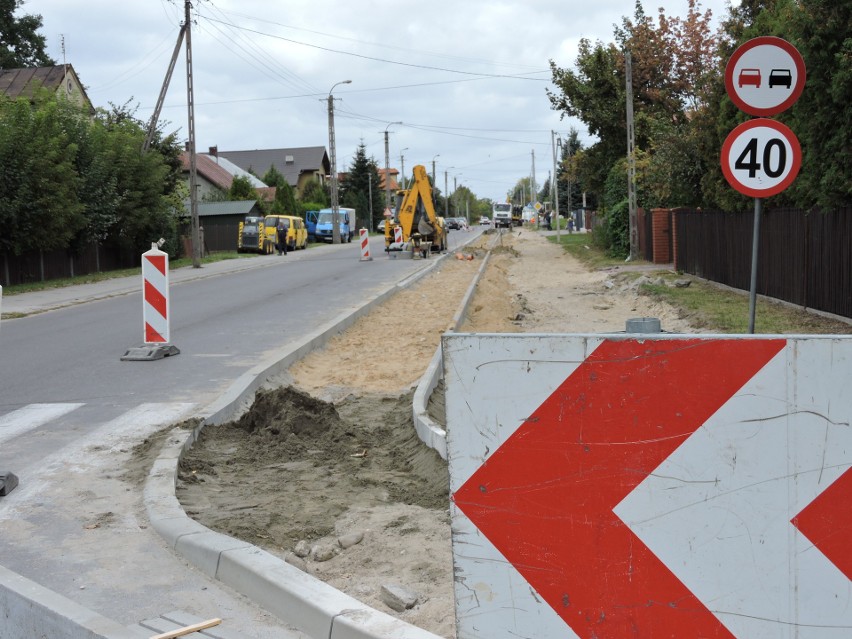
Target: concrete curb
<point>310,604</point>
<point>30,610</point>
<point>430,433</point>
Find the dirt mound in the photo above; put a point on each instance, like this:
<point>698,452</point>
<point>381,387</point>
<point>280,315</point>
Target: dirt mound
<point>311,462</point>
<point>286,418</point>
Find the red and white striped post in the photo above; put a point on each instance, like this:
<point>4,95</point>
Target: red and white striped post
<point>155,285</point>
<point>397,234</point>
<point>365,246</point>
<point>155,308</point>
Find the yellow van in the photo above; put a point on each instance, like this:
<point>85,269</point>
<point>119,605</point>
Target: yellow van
<point>297,232</point>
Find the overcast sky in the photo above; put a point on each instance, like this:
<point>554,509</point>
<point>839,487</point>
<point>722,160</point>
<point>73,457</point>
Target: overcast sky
<point>467,79</point>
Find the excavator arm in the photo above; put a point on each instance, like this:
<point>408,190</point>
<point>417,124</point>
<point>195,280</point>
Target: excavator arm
<point>416,214</point>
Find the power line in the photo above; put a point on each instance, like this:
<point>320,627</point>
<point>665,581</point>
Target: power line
<point>153,54</point>
<point>381,45</point>
<point>263,57</point>
<point>374,59</point>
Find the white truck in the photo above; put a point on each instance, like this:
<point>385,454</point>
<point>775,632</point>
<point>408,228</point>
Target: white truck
<point>501,215</point>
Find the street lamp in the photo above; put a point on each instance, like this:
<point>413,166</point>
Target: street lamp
<point>556,142</point>
<point>335,206</point>
<point>402,165</point>
<point>387,166</point>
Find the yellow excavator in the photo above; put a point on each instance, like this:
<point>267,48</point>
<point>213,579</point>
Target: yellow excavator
<point>422,230</point>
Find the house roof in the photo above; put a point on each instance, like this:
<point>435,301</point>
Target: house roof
<point>221,173</point>
<point>235,170</point>
<point>394,184</point>
<point>209,170</point>
<point>16,83</point>
<point>238,207</point>
<point>290,162</point>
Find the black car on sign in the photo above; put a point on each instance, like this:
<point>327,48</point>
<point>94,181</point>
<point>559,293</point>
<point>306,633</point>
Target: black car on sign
<point>780,77</point>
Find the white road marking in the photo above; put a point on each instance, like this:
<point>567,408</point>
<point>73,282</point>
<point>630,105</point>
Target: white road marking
<point>31,417</point>
<point>102,450</point>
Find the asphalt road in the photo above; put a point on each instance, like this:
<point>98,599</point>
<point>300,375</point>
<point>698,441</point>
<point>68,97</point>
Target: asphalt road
<point>69,409</point>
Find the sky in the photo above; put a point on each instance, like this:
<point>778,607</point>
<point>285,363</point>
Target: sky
<point>463,84</point>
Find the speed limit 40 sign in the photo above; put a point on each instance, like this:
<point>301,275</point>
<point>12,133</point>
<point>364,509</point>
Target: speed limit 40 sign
<point>761,157</point>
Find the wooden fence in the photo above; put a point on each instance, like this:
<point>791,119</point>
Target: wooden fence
<point>804,257</point>
<point>37,266</point>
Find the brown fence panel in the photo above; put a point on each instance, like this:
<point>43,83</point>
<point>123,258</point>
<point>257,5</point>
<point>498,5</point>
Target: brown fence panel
<point>804,257</point>
<point>221,237</point>
<point>37,266</point>
<point>827,278</point>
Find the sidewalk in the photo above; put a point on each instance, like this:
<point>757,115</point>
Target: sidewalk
<point>55,298</point>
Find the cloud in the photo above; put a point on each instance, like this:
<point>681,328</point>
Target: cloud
<point>262,73</point>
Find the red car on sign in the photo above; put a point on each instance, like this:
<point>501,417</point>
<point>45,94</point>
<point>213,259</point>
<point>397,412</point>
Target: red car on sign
<point>750,76</point>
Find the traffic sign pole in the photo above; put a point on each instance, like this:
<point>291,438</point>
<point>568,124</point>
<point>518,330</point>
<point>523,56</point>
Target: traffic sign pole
<point>755,244</point>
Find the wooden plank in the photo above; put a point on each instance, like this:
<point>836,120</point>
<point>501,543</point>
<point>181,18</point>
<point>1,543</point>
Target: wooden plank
<point>196,627</point>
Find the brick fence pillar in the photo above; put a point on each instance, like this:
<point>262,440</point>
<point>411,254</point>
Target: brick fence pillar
<point>660,232</point>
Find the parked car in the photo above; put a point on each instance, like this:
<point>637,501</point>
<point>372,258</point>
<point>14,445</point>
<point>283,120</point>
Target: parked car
<point>484,221</point>
<point>381,227</point>
<point>452,223</point>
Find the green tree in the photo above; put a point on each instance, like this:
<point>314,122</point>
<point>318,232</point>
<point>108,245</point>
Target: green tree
<point>20,43</point>
<point>285,198</point>
<point>241,189</point>
<point>39,207</point>
<point>464,202</point>
<point>144,183</point>
<point>69,180</point>
<point>571,181</point>
<point>822,117</point>
<point>316,193</point>
<point>594,94</point>
<point>674,64</point>
<point>362,177</point>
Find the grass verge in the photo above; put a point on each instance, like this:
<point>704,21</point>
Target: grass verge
<point>708,306</point>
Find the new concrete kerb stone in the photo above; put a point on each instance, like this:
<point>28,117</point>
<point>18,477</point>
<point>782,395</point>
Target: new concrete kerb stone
<point>30,610</point>
<point>296,597</point>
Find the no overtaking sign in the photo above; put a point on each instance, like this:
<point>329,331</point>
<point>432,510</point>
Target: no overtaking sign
<point>765,76</point>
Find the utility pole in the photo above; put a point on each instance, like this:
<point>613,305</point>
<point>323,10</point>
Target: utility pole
<point>387,172</point>
<point>152,126</point>
<point>633,214</point>
<point>387,167</point>
<point>193,173</point>
<point>402,165</point>
<point>532,180</point>
<point>446,197</point>
<point>370,196</point>
<point>335,206</point>
<point>555,214</point>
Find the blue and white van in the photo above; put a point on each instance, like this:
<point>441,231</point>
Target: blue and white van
<point>325,232</point>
